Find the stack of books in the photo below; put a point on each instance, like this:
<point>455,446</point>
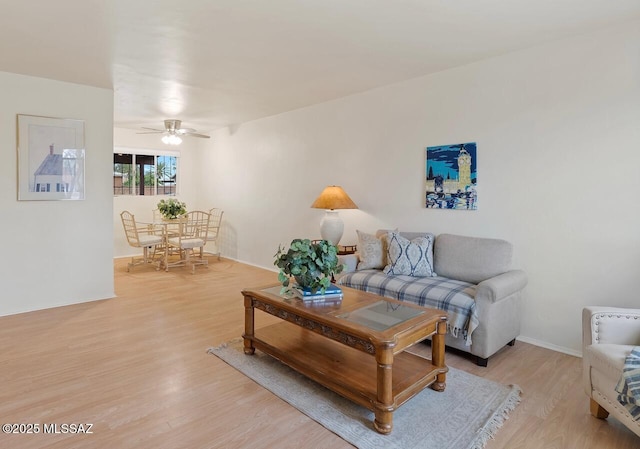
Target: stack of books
<point>332,292</point>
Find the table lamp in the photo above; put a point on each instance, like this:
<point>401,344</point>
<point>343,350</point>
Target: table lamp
<point>331,198</point>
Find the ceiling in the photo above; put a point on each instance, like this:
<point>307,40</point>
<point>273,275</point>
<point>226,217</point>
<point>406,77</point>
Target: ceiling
<point>214,63</point>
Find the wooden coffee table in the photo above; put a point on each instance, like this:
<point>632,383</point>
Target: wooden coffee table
<point>354,346</point>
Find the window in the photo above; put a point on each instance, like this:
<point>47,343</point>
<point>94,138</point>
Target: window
<point>144,172</point>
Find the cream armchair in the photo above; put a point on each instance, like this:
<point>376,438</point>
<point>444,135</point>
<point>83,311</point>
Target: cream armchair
<point>608,336</point>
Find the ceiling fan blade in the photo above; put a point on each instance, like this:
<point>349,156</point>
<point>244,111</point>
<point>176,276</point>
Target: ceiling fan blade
<point>172,127</point>
<point>204,136</point>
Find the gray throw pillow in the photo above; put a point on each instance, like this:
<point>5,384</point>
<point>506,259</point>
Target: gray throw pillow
<point>370,252</point>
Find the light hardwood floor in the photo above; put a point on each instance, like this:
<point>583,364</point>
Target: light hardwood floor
<point>136,367</point>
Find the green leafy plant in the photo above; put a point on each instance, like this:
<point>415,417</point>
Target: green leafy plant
<point>310,264</point>
<point>172,208</point>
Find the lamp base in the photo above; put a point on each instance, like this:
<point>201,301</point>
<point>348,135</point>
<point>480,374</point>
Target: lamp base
<point>331,227</point>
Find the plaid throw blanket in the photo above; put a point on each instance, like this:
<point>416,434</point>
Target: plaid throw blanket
<point>454,297</point>
<point>629,385</point>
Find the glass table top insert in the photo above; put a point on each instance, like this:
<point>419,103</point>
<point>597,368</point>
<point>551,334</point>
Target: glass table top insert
<point>381,315</point>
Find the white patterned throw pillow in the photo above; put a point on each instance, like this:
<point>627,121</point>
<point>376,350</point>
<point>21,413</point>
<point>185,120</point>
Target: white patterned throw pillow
<point>370,252</point>
<point>409,257</point>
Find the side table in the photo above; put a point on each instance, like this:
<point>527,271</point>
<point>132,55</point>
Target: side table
<point>342,249</point>
<point>347,249</point>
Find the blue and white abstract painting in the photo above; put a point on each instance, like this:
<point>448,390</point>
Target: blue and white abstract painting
<point>452,177</point>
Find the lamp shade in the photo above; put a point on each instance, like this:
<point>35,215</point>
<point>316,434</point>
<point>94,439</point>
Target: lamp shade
<point>333,197</point>
<point>331,226</point>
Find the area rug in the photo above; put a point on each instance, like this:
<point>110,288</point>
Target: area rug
<point>464,416</point>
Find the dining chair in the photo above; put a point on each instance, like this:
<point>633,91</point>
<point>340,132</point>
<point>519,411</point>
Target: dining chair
<point>192,236</point>
<point>214,229</point>
<point>141,235</point>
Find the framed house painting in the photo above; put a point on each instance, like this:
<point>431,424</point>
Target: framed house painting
<point>452,177</point>
<point>50,158</point>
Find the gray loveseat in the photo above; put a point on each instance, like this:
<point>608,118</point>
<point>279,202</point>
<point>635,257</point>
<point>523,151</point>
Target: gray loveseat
<point>473,281</point>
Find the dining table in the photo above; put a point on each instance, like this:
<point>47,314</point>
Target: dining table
<point>168,228</point>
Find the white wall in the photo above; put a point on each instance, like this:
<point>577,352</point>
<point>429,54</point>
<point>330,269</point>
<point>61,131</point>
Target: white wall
<point>557,128</point>
<point>142,206</point>
<point>55,252</point>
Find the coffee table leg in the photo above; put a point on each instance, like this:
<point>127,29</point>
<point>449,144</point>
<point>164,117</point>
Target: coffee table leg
<point>437,355</point>
<point>248,326</point>
<point>383,422</point>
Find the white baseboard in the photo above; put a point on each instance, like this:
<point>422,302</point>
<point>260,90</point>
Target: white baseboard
<point>532,341</point>
<point>544,344</point>
<point>251,264</point>
<point>221,255</point>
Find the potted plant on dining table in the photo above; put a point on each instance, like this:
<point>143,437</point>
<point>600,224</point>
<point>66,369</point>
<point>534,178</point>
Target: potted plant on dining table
<point>171,209</point>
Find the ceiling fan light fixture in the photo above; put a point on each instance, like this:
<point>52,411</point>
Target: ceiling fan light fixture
<point>171,139</point>
<point>173,132</point>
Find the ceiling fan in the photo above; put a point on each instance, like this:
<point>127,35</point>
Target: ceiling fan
<point>173,132</point>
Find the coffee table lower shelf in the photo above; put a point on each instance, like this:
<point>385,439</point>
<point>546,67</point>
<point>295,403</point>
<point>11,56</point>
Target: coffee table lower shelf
<point>344,370</point>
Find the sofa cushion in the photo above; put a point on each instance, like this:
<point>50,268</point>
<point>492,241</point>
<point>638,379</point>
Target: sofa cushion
<point>454,297</point>
<point>409,257</point>
<point>370,251</point>
<point>471,259</point>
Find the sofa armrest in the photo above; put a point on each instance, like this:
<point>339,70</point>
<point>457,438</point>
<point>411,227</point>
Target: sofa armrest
<point>610,325</point>
<point>501,286</point>
<point>350,261</point>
